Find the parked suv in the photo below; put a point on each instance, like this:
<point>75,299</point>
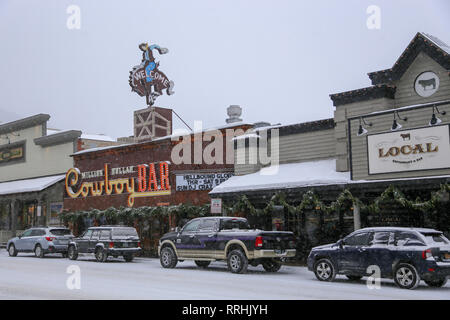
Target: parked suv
<point>407,255</point>
<point>106,241</point>
<point>41,241</point>
<point>226,238</point>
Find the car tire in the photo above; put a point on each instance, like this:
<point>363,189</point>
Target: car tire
<point>324,270</point>
<point>202,264</point>
<point>436,283</point>
<point>406,276</point>
<point>101,255</point>
<point>168,258</point>
<point>72,253</point>
<point>39,252</point>
<point>12,250</point>
<point>128,257</point>
<point>353,277</point>
<point>271,265</point>
<point>237,261</point>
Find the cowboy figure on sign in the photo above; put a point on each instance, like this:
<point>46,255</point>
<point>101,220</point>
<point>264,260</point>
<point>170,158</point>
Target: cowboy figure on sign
<point>146,79</point>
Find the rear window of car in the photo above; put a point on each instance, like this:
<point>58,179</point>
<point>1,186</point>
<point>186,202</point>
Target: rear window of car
<point>123,233</point>
<point>60,232</point>
<point>408,239</point>
<point>230,224</point>
<point>436,238</point>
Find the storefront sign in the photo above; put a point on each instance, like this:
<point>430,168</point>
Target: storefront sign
<point>409,150</point>
<point>147,183</point>
<point>426,84</point>
<point>200,181</point>
<point>12,152</point>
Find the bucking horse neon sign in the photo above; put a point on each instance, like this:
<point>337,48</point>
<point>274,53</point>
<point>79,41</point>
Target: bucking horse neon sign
<point>146,79</point>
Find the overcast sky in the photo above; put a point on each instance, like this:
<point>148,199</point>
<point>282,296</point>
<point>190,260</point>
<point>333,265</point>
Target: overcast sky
<point>278,59</point>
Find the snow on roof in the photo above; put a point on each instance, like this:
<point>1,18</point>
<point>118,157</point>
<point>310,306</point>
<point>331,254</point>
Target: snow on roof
<point>291,175</point>
<point>29,185</point>
<point>438,42</point>
<point>100,136</point>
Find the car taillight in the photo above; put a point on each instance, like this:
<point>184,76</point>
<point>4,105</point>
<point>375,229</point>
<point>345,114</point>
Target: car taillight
<point>139,244</point>
<point>292,244</point>
<point>258,242</point>
<point>49,238</point>
<point>111,244</point>
<point>426,254</point>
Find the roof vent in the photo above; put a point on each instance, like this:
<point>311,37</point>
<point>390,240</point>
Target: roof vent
<point>234,112</point>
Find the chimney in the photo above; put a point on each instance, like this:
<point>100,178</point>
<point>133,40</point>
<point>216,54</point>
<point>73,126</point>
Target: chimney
<point>234,112</point>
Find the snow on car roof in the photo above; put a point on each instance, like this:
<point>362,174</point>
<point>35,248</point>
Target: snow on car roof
<point>421,230</point>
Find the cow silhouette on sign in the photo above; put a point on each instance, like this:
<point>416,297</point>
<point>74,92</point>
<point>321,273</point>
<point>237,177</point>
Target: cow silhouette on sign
<point>146,79</point>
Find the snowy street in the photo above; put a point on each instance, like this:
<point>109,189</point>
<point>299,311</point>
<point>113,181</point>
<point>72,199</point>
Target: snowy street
<point>27,277</point>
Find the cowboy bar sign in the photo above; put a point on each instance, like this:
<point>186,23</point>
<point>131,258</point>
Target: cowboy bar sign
<point>409,150</point>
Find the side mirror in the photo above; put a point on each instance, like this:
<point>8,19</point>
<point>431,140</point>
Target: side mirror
<point>177,229</point>
<point>19,236</point>
<point>340,243</point>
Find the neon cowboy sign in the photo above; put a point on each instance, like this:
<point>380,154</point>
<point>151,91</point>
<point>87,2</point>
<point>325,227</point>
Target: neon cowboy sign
<point>146,184</point>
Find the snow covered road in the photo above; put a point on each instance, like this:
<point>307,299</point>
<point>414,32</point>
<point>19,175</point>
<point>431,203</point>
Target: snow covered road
<point>27,277</point>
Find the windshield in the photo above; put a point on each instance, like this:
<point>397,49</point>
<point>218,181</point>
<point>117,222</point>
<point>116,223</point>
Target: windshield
<point>436,238</point>
<point>230,224</point>
<point>60,232</point>
<point>124,233</point>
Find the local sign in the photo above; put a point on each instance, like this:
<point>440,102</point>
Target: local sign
<point>409,150</point>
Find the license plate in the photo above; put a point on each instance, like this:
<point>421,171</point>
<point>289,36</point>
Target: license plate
<point>125,245</point>
<point>63,241</point>
<point>279,251</point>
<point>447,256</point>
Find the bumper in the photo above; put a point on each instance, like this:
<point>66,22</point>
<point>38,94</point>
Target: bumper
<point>288,253</point>
<point>437,270</point>
<point>123,251</point>
<point>56,249</point>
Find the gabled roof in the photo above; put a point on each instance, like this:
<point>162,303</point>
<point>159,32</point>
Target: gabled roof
<point>422,42</point>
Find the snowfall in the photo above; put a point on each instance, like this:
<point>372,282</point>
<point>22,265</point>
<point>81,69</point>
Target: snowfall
<point>28,277</point>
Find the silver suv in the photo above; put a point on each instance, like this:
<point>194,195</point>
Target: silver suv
<point>41,240</point>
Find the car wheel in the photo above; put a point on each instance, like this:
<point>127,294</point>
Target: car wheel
<point>100,255</point>
<point>72,253</point>
<point>202,264</point>
<point>128,257</point>
<point>271,265</point>
<point>406,276</point>
<point>38,252</point>
<point>237,261</point>
<point>436,283</point>
<point>12,250</point>
<point>353,278</point>
<point>324,270</point>
<point>168,258</point>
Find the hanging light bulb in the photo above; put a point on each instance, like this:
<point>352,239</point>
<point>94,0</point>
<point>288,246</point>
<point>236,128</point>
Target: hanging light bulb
<point>395,124</point>
<point>435,120</point>
<point>362,131</point>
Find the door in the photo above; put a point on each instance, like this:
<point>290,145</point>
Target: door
<point>380,253</point>
<point>353,255</point>
<point>186,244</point>
<point>93,241</point>
<point>34,238</point>
<point>206,238</point>
<point>83,241</point>
<point>21,243</point>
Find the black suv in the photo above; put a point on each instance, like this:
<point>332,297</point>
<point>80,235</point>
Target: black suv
<point>106,241</point>
<point>407,255</point>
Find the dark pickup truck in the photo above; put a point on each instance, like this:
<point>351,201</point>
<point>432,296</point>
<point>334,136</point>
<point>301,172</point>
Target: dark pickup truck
<point>226,238</point>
